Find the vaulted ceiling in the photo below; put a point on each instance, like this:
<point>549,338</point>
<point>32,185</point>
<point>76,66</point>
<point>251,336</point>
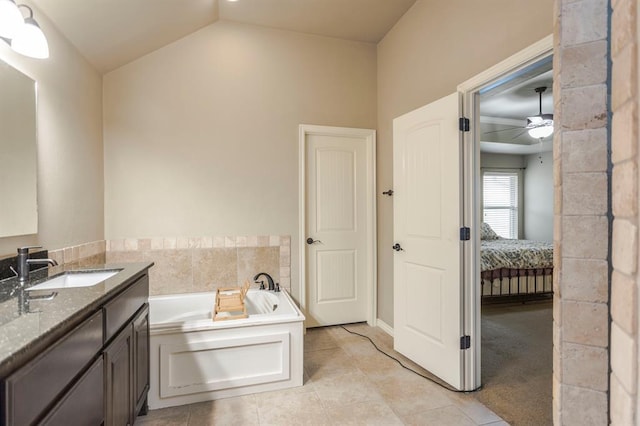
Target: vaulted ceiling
<point>111,33</point>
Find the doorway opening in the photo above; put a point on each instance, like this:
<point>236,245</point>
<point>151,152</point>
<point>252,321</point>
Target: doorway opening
<point>437,217</point>
<point>514,205</point>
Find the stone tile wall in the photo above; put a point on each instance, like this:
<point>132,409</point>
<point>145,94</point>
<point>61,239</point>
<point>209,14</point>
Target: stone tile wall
<point>581,236</point>
<point>186,265</point>
<point>82,255</point>
<point>623,380</point>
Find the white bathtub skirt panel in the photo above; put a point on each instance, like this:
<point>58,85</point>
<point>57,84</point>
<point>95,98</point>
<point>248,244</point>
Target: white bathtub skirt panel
<point>223,364</point>
<point>195,359</point>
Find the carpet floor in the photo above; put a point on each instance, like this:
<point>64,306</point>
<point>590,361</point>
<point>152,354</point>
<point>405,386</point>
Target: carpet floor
<point>517,362</point>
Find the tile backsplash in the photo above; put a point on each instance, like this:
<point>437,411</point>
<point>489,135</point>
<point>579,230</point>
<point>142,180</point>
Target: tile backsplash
<point>82,255</point>
<point>187,265</point>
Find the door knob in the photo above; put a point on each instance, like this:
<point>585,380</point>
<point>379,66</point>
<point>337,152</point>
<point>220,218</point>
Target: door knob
<point>397,247</point>
<point>312,241</point>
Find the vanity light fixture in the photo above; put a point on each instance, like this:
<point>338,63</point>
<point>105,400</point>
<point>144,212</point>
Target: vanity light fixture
<point>26,37</point>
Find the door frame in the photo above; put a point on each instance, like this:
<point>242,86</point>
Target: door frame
<point>372,271</point>
<point>471,193</point>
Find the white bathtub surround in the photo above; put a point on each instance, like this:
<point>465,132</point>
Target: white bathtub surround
<point>194,358</point>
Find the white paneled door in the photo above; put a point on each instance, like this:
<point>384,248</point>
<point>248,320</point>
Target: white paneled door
<point>427,219</point>
<point>338,238</point>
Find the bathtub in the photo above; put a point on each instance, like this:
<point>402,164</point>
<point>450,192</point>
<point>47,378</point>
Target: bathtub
<point>194,359</point>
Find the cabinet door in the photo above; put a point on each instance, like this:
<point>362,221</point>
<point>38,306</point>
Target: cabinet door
<point>118,362</point>
<point>42,380</point>
<point>141,360</point>
<point>84,403</point>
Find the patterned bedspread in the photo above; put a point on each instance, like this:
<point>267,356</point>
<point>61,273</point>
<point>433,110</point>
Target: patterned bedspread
<point>515,254</point>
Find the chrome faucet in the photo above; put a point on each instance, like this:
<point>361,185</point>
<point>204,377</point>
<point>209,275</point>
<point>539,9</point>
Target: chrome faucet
<point>272,286</point>
<point>24,262</point>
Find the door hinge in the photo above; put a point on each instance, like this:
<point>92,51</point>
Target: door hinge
<point>465,233</point>
<point>465,342</point>
<point>464,124</point>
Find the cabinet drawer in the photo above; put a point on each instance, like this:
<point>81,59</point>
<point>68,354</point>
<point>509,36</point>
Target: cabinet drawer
<point>84,403</point>
<point>33,387</point>
<point>118,311</point>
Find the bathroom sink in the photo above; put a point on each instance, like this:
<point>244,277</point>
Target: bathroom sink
<point>75,279</point>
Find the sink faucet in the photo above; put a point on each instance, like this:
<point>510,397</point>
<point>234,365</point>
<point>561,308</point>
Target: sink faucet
<point>272,286</point>
<point>24,262</point>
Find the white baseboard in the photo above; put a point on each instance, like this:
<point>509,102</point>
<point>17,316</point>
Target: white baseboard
<point>385,327</point>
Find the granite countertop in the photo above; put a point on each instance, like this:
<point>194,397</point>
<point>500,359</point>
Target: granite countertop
<point>28,326</point>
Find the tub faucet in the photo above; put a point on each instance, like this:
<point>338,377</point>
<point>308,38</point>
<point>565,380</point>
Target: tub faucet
<point>272,286</point>
<point>24,262</point>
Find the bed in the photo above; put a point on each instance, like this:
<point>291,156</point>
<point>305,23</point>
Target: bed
<point>514,269</point>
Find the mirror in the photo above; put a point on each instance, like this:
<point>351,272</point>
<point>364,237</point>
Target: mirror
<point>18,156</point>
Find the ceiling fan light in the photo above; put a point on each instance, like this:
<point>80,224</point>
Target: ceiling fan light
<point>535,120</point>
<point>540,120</point>
<point>541,132</point>
<point>10,18</point>
<point>30,40</point>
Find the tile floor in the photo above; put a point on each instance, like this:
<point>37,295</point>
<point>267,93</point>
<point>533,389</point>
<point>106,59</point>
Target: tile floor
<point>347,382</point>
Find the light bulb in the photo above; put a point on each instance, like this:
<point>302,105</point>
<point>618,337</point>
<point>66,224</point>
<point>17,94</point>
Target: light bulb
<point>10,18</point>
<point>541,132</point>
<point>30,40</point>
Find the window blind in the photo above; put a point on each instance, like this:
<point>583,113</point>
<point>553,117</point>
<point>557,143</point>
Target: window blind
<point>500,202</point>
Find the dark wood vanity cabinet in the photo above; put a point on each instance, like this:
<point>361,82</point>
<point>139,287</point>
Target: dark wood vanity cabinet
<point>141,360</point>
<point>30,390</point>
<point>98,373</point>
<point>86,393</point>
<point>118,361</point>
<point>126,358</point>
<point>126,362</point>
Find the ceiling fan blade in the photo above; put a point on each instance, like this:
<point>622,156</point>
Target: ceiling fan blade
<point>502,130</point>
<point>521,133</point>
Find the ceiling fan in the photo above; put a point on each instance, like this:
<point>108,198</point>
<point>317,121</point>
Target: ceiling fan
<point>538,126</point>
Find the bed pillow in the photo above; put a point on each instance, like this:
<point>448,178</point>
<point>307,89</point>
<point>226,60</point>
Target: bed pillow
<point>486,233</point>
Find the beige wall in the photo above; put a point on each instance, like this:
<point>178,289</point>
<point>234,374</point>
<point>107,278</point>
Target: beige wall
<point>489,160</point>
<point>538,197</point>
<point>70,159</point>
<point>437,45</point>
<point>201,136</point>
